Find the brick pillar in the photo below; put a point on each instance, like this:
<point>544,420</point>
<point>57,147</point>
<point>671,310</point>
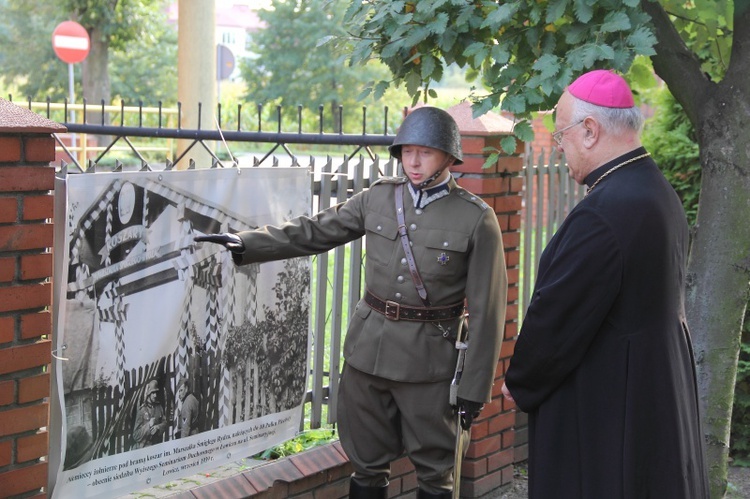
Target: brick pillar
<point>489,462</point>
<point>26,205</point>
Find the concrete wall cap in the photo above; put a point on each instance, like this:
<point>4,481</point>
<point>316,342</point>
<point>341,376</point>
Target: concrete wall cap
<point>16,119</point>
<point>488,124</point>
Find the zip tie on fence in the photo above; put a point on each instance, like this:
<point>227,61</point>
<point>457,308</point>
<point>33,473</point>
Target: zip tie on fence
<point>223,141</point>
<point>59,358</point>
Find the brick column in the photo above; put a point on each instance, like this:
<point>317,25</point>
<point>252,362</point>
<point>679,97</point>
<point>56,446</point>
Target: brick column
<point>26,205</point>
<point>489,461</point>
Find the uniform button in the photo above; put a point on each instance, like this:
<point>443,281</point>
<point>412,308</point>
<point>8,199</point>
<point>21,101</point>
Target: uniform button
<point>379,227</point>
<point>400,278</point>
<point>413,227</point>
<point>398,296</point>
<point>403,261</point>
<point>445,244</point>
<point>418,211</point>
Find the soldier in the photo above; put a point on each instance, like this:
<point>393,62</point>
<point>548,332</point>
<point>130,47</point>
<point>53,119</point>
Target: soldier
<point>188,424</point>
<point>150,424</point>
<point>430,245</point>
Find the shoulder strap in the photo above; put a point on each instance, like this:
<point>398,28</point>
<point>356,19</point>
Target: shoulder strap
<point>407,247</point>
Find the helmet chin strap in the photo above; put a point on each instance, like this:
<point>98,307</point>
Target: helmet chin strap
<point>439,172</point>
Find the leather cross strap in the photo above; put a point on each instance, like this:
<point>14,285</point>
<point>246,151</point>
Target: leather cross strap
<point>397,312</point>
<point>407,247</point>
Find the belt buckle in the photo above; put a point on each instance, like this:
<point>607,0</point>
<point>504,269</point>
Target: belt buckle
<point>392,310</point>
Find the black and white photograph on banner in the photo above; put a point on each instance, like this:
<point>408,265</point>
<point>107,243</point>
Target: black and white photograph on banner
<point>169,357</point>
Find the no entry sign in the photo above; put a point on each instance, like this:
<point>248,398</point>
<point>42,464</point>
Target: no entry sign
<point>70,42</point>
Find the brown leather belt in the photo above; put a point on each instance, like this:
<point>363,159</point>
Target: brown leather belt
<point>397,312</point>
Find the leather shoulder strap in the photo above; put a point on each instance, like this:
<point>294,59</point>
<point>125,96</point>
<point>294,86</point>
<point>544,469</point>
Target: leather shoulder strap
<point>407,247</point>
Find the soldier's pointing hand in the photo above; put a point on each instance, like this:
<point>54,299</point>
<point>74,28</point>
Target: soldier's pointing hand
<point>232,242</point>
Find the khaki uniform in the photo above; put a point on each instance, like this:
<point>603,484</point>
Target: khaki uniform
<point>457,245</point>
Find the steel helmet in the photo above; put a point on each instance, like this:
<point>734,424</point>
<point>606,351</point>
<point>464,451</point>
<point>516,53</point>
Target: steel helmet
<point>429,127</point>
<point>151,387</point>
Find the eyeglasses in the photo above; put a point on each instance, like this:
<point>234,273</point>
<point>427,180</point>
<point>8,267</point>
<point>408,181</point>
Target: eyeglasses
<point>558,135</point>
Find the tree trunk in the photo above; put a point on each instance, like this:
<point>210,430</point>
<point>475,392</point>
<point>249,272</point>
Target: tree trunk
<point>719,263</point>
<point>719,267</point>
<point>96,83</point>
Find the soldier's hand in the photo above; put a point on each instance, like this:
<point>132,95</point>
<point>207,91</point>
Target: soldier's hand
<point>232,242</point>
<point>468,410</point>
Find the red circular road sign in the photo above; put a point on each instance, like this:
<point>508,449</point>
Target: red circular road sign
<point>70,41</point>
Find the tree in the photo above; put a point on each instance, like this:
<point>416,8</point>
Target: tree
<point>528,51</point>
<point>133,50</point>
<point>294,66</point>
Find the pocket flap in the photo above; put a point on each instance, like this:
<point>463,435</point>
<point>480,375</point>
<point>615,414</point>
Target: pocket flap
<point>376,223</point>
<point>446,240</point>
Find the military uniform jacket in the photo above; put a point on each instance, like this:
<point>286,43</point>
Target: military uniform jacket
<point>457,245</point>
<point>603,363</point>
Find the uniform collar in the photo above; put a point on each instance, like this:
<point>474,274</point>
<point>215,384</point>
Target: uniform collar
<point>423,197</point>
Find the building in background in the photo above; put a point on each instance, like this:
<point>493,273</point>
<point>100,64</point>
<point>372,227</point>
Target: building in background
<point>236,21</point>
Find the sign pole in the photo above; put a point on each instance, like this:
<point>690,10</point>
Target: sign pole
<point>71,88</point>
<point>71,44</point>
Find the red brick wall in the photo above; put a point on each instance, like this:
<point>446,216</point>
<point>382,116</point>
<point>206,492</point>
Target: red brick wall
<point>489,461</point>
<point>26,182</point>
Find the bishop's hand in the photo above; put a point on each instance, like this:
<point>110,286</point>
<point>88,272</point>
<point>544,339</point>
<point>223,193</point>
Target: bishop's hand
<point>232,242</point>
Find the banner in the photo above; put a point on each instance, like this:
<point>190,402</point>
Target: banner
<point>169,359</point>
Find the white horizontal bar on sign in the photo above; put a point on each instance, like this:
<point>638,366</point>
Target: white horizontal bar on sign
<point>71,42</point>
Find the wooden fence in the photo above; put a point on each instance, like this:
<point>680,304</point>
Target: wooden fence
<point>549,194</point>
<point>113,413</point>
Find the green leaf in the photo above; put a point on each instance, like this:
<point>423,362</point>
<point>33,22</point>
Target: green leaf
<point>524,131</point>
<point>380,89</point>
<point>415,36</point>
<point>439,24</point>
<point>478,51</point>
<point>514,103</point>
<point>615,21</point>
<point>363,95</point>
<point>500,54</point>
<point>501,15</point>
<point>413,81</point>
<point>642,41</point>
<point>481,107</point>
<point>555,10</point>
<point>576,34</point>
<point>427,66</point>
<point>547,65</point>
<point>491,160</point>
<point>508,144</point>
<point>605,52</point>
<point>583,11</point>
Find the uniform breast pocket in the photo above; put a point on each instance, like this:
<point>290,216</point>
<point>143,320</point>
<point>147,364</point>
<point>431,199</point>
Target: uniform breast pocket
<point>444,254</point>
<point>381,238</point>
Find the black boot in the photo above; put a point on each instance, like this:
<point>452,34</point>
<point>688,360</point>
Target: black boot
<point>423,494</point>
<point>357,491</point>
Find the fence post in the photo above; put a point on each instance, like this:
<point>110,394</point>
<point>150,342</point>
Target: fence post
<point>490,458</point>
<point>26,208</point>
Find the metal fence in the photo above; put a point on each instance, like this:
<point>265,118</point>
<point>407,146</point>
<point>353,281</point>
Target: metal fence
<point>337,281</point>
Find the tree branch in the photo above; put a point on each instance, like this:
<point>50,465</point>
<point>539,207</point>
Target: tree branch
<point>676,64</point>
